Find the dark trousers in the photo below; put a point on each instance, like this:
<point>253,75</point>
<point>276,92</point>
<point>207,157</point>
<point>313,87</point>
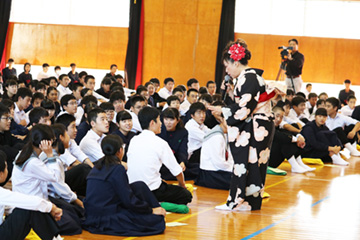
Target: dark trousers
<point>329,138</point>
<point>142,192</point>
<point>172,194</point>
<point>214,179</point>
<point>280,151</point>
<point>20,222</point>
<point>76,178</point>
<point>70,222</point>
<point>342,134</point>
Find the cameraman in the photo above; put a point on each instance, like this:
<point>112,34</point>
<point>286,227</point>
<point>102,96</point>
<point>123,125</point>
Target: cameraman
<point>295,63</point>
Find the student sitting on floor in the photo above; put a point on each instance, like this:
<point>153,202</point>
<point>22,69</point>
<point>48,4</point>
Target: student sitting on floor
<point>197,130</point>
<point>63,87</point>
<point>59,192</point>
<point>23,100</point>
<point>299,113</point>
<point>345,127</point>
<point>174,133</point>
<point>90,144</point>
<point>15,129</point>
<point>216,162</point>
<point>125,209</point>
<point>77,164</point>
<point>68,105</point>
<point>320,141</point>
<point>30,212</point>
<point>124,121</point>
<point>117,98</point>
<point>147,152</point>
<point>286,145</point>
<point>104,90</point>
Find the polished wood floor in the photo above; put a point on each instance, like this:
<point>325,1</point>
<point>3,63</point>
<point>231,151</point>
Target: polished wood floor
<point>324,204</point>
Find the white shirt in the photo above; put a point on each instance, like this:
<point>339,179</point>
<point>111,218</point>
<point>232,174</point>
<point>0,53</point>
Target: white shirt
<point>146,154</point>
<point>213,158</point>
<point>63,91</point>
<point>136,124</point>
<point>128,92</point>
<point>42,75</point>
<point>346,110</point>
<point>294,118</point>
<point>20,115</point>
<point>164,93</point>
<point>184,107</point>
<point>196,135</point>
<point>77,116</point>
<point>19,200</point>
<point>90,145</point>
<point>32,177</point>
<point>73,153</point>
<point>339,121</point>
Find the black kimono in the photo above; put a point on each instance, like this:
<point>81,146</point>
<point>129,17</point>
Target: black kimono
<point>114,207</point>
<point>250,132</point>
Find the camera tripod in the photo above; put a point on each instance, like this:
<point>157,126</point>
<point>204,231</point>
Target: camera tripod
<point>281,74</point>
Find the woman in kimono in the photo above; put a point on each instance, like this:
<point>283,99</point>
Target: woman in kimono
<point>115,207</point>
<point>250,129</point>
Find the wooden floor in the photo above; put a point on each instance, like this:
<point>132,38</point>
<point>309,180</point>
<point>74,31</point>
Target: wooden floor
<point>324,204</point>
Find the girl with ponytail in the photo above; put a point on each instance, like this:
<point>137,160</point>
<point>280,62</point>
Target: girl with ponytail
<point>125,209</point>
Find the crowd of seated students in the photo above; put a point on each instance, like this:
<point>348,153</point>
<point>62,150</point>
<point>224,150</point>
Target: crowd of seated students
<point>78,149</point>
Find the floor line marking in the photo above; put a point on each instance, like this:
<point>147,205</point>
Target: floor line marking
<point>211,208</point>
<point>280,221</point>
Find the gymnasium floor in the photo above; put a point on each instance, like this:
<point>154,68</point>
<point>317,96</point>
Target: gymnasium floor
<point>324,204</point>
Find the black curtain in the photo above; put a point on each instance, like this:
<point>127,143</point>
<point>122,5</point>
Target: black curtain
<point>226,34</point>
<point>133,43</point>
<point>5,6</point>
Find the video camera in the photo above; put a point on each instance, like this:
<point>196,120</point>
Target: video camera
<point>284,53</point>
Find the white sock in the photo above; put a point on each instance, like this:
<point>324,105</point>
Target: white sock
<point>300,162</point>
<point>223,207</point>
<point>295,167</point>
<point>338,160</point>
<point>345,152</point>
<point>352,150</point>
<point>58,237</point>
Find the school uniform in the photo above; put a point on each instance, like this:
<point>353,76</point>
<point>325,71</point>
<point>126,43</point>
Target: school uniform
<point>115,207</point>
<point>147,152</point>
<point>342,125</point>
<point>112,127</point>
<point>164,93</point>
<point>76,176</point>
<point>63,91</point>
<point>346,110</point>
<point>177,141</point>
<point>283,146</point>
<point>216,163</point>
<point>61,195</point>
<point>20,115</point>
<point>17,129</point>
<point>31,212</point>
<point>126,140</point>
<point>99,97</point>
<point>196,136</point>
<point>318,140</point>
<point>91,145</point>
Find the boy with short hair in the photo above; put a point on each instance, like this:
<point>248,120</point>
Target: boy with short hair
<point>166,91</point>
<point>90,84</point>
<point>44,73</point>
<point>104,90</point>
<point>193,83</point>
<point>63,88</point>
<point>211,87</point>
<point>197,130</point>
<point>11,87</point>
<point>147,152</point>
<point>320,141</point>
<point>345,127</point>
<point>173,101</point>
<point>110,114</point>
<point>137,103</point>
<point>90,144</point>
<point>23,100</point>
<point>192,97</point>
<point>117,98</point>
